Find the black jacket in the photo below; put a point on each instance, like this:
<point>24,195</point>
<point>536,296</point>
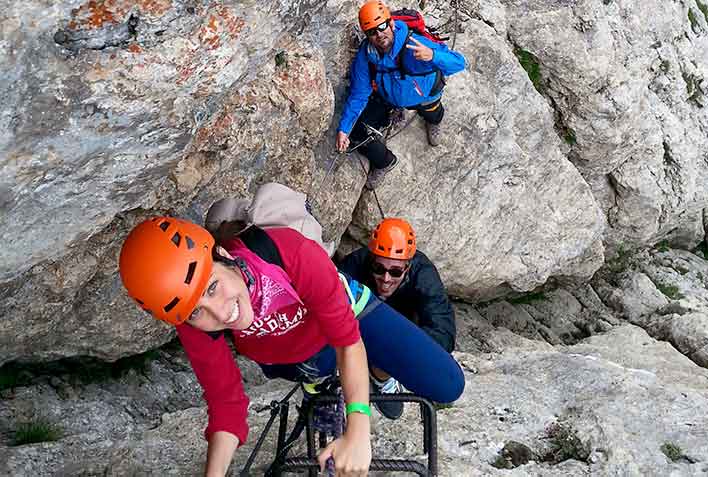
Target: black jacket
<point>421,296</point>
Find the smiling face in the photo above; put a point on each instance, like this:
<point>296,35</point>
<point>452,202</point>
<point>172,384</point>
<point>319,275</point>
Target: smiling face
<point>225,303</point>
<point>386,283</point>
<point>383,40</point>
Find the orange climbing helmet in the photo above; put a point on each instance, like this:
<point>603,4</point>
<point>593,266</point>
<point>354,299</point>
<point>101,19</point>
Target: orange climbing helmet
<point>393,238</point>
<point>372,14</point>
<point>165,265</point>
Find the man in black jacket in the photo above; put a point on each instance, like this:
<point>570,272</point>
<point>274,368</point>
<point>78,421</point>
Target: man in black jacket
<point>408,282</point>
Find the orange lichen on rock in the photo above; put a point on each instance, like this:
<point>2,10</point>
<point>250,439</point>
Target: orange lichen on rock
<point>94,14</point>
<point>222,20</point>
<point>209,33</point>
<point>97,13</point>
<point>134,48</point>
<point>219,128</point>
<point>155,8</point>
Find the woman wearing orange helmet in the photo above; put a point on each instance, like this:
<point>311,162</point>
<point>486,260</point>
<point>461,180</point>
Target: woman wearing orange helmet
<point>296,321</point>
<point>407,281</point>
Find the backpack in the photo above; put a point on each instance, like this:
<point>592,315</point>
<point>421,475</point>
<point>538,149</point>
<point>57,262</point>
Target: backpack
<point>416,24</point>
<point>260,243</point>
<point>273,205</point>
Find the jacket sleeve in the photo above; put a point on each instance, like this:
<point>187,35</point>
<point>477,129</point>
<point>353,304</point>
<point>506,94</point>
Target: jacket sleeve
<point>354,264</point>
<point>217,372</point>
<point>359,92</point>
<point>435,314</point>
<point>447,61</point>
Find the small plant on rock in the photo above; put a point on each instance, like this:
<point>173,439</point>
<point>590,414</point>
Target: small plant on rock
<point>671,291</point>
<point>40,430</point>
<point>512,455</point>
<point>703,8</point>
<point>695,26</point>
<point>672,451</point>
<point>620,262</point>
<point>662,246</point>
<point>530,64</point>
<point>565,444</point>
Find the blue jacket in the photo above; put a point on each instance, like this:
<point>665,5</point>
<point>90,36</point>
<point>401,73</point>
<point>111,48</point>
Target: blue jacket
<point>400,92</point>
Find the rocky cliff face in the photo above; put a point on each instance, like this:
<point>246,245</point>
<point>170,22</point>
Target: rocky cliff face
<point>117,109</point>
<point>579,127</point>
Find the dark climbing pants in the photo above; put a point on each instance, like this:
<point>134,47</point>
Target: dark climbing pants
<point>376,115</point>
<point>394,345</point>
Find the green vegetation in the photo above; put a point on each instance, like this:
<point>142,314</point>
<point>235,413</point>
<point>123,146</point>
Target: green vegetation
<point>703,8</point>
<point>665,66</point>
<point>569,136</point>
<point>530,64</point>
<point>620,262</point>
<point>281,59</point>
<point>672,451</point>
<point>702,250</point>
<point>662,246</point>
<point>40,430</point>
<point>695,26</point>
<point>670,291</point>
<point>565,444</point>
<point>527,299</point>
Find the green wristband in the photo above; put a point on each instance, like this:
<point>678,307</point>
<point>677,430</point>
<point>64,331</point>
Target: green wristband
<point>358,407</point>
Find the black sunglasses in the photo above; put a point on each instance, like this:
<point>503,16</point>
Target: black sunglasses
<point>377,29</point>
<point>395,272</point>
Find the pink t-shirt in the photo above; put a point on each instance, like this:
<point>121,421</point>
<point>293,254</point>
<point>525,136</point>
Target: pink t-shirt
<point>290,334</point>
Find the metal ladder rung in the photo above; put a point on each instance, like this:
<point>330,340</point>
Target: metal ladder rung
<point>295,464</point>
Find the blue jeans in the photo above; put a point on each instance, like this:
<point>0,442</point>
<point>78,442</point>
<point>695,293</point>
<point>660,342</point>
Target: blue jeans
<point>394,345</point>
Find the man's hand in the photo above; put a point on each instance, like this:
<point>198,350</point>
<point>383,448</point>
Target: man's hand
<point>351,452</point>
<point>420,51</point>
<point>342,142</point>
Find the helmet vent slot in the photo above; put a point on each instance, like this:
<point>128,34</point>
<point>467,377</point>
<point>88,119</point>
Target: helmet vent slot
<point>164,225</point>
<point>140,302</point>
<point>176,239</point>
<point>171,304</point>
<point>190,242</point>
<point>399,250</point>
<point>190,273</point>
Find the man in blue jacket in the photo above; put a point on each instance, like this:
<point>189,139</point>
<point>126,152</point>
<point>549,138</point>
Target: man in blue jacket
<point>406,280</point>
<point>394,68</point>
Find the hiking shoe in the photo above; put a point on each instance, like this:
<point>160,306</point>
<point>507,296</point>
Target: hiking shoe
<point>375,177</point>
<point>434,134</point>
<point>396,117</point>
<point>389,409</point>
